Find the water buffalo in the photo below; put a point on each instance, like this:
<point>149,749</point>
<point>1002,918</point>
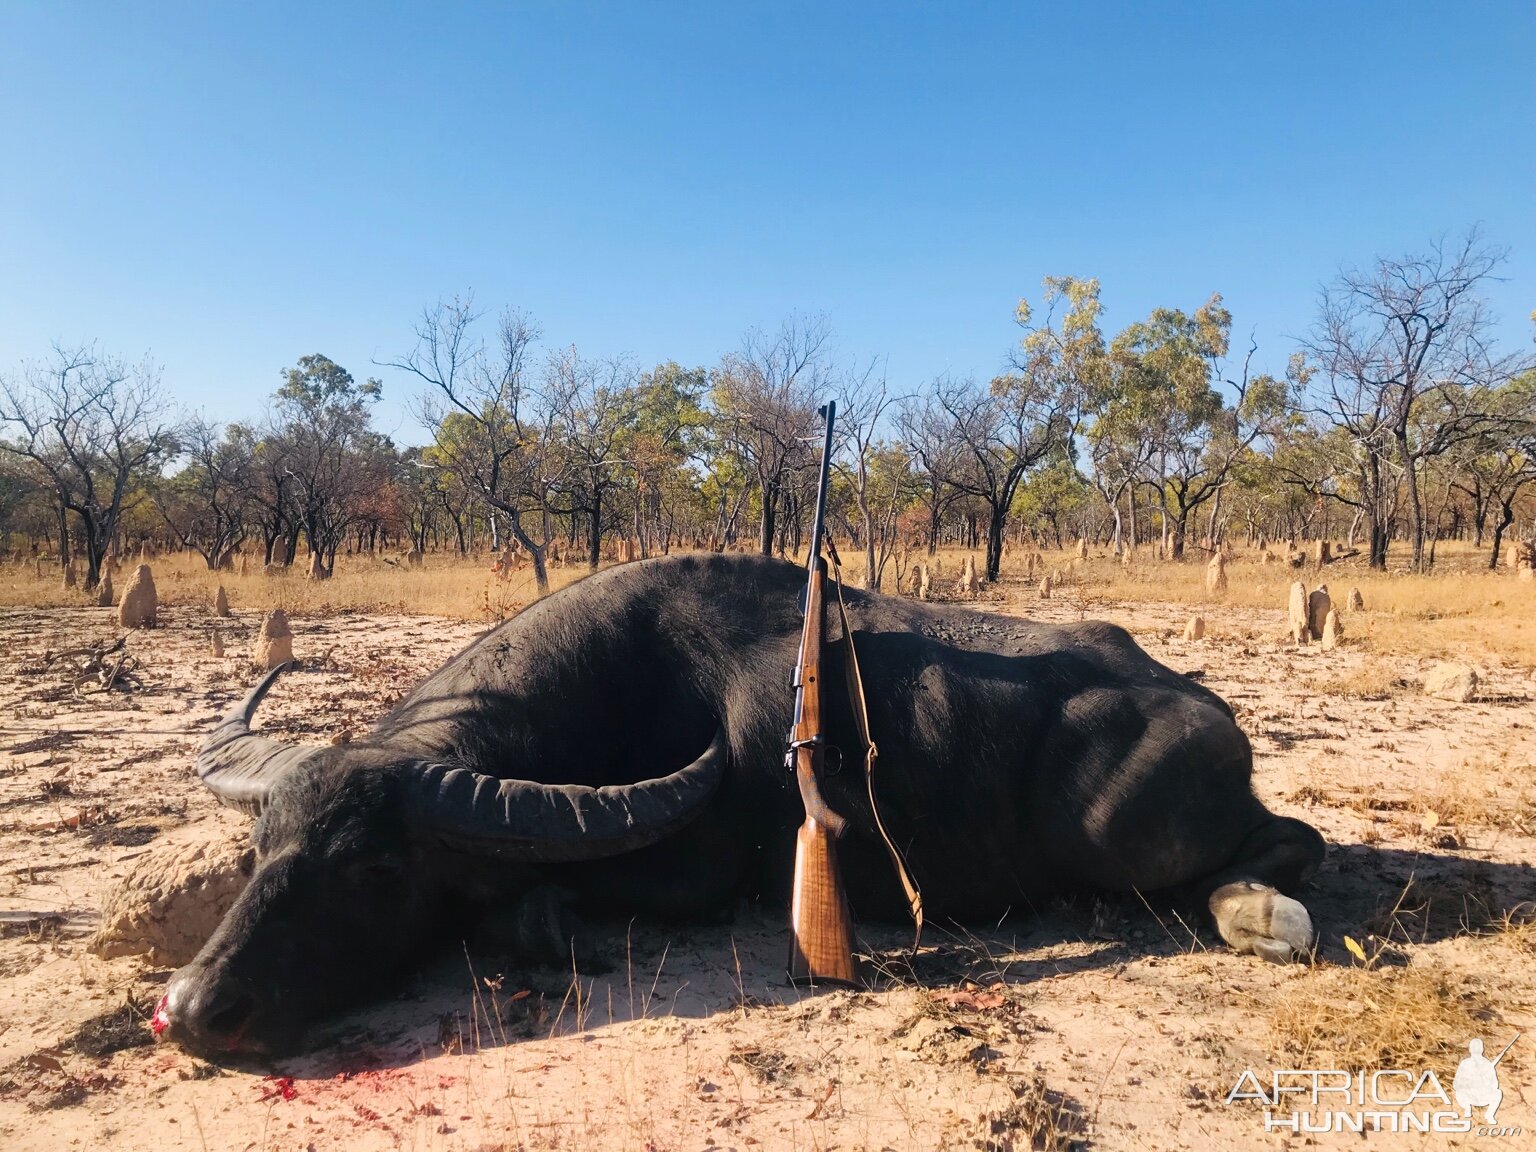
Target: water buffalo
<point>623,739</point>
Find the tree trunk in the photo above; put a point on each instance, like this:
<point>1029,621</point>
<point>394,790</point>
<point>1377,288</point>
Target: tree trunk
<point>1506,518</point>
<point>63,536</point>
<point>1180,528</point>
<point>1415,508</point>
<point>768,526</point>
<point>1378,544</point>
<point>871,583</point>
<point>1354,526</point>
<point>595,533</point>
<point>1375,501</point>
<point>535,553</point>
<point>995,525</point>
<point>96,542</point>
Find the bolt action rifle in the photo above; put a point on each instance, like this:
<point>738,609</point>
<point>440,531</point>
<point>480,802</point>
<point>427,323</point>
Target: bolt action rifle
<point>821,927</point>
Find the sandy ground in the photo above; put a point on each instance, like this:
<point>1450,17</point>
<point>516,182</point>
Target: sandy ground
<point>1091,1023</point>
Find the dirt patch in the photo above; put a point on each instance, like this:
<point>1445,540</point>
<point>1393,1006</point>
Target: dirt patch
<point>767,1065</point>
<point>1087,1022</point>
<point>42,1083</point>
<point>116,1030</point>
<point>127,836</point>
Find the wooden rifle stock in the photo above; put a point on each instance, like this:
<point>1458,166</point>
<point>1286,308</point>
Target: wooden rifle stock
<point>821,927</point>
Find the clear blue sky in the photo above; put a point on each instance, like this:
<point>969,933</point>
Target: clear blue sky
<point>230,187</point>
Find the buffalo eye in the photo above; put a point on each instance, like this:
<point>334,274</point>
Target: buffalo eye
<point>376,873</point>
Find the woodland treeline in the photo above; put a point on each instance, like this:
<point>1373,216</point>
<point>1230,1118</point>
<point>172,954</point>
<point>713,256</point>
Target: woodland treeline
<point>1399,422</point>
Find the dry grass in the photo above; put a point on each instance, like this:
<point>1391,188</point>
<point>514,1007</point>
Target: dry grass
<point>1479,794</point>
<point>1492,791</point>
<point>1517,929</point>
<point>1373,679</point>
<point>1462,610</point>
<point>1038,1118</point>
<point>460,589</point>
<point>1413,1017</point>
<point>1464,906</point>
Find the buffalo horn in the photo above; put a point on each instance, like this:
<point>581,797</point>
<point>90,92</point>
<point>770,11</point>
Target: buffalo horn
<point>559,823</point>
<point>240,768</point>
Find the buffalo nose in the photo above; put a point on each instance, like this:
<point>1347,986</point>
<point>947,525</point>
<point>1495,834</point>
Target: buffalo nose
<point>227,1012</point>
<point>207,1009</point>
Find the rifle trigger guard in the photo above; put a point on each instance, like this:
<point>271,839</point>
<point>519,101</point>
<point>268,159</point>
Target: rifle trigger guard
<point>796,745</point>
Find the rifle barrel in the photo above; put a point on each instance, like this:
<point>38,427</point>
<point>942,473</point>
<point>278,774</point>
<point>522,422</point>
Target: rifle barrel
<point>1504,1050</point>
<point>828,410</point>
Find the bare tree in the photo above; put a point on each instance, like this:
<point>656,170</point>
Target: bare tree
<point>1495,466</point>
<point>205,504</point>
<point>1409,331</point>
<point>487,420</point>
<point>765,399</point>
<point>269,493</point>
<point>929,435</point>
<point>1119,464</point>
<point>1004,430</point>
<point>88,427</point>
<point>877,494</point>
<point>593,405</point>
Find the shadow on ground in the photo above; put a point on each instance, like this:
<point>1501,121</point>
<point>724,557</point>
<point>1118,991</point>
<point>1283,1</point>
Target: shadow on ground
<point>473,1002</point>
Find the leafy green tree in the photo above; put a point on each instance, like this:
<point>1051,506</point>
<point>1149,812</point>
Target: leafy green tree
<point>322,420</point>
<point>1052,500</point>
<point>669,430</point>
<point>1314,464</point>
<point>893,488</point>
<point>1162,397</point>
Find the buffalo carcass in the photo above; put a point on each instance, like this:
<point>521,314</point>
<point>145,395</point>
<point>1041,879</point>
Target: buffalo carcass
<point>623,739</point>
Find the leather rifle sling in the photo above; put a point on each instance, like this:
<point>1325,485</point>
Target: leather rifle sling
<point>871,753</point>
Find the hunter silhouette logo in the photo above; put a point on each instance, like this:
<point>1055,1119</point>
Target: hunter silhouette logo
<point>1317,1100</point>
<point>1477,1080</point>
